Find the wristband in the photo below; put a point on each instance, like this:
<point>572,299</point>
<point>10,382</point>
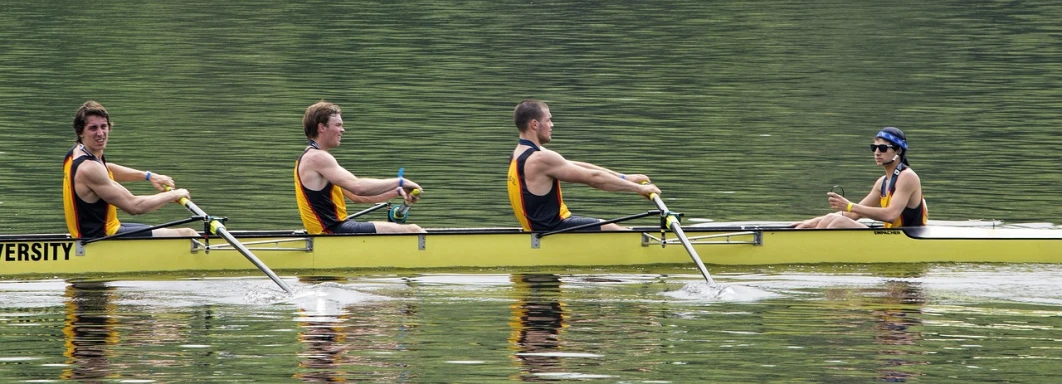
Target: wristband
<point>147,175</point>
<point>400,180</point>
<point>622,176</point>
<point>849,206</point>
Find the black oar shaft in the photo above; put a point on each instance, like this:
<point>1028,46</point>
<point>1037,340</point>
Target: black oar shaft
<point>598,224</point>
<point>367,210</point>
<point>145,229</point>
<point>673,225</point>
<point>218,228</point>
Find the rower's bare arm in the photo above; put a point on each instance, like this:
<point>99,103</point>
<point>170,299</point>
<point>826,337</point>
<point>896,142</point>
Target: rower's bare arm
<point>869,201</point>
<point>905,189</point>
<point>95,178</point>
<point>123,174</point>
<point>558,167</point>
<point>329,168</point>
<point>636,178</point>
<point>372,199</point>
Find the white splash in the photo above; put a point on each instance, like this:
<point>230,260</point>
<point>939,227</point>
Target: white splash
<point>718,292</point>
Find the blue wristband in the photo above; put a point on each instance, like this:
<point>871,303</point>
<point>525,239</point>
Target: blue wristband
<point>622,176</point>
<point>147,175</point>
<point>400,181</point>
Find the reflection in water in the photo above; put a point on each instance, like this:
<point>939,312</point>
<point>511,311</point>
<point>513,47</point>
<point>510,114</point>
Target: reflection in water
<point>89,331</point>
<point>324,347</point>
<point>338,338</point>
<point>538,317</point>
<point>895,314</point>
<point>899,319</point>
<point>322,334</point>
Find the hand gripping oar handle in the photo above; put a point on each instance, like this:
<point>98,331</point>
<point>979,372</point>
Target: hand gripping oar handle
<point>672,223</point>
<point>399,214</point>
<point>217,228</point>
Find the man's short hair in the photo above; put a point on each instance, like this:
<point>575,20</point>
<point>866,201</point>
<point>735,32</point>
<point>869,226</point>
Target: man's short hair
<point>318,113</point>
<point>89,108</point>
<point>526,111</point>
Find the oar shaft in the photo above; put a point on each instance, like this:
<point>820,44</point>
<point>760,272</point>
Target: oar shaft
<point>221,231</point>
<point>367,210</point>
<point>693,254</point>
<point>218,228</point>
<point>673,225</point>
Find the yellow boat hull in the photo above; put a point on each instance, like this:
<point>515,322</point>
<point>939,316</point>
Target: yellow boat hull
<point>498,248</point>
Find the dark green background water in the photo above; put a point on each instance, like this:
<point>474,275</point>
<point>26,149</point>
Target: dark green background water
<point>738,110</point>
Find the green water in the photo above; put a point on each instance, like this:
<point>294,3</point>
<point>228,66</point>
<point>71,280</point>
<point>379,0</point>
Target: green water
<point>739,111</point>
<point>932,324</point>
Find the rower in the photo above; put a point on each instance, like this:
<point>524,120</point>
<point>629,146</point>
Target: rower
<point>535,174</point>
<point>321,184</point>
<point>91,188</point>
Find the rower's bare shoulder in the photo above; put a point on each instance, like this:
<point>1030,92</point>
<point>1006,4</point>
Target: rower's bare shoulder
<point>93,172</point>
<point>548,156</point>
<point>318,158</point>
<point>912,173</point>
<point>910,177</point>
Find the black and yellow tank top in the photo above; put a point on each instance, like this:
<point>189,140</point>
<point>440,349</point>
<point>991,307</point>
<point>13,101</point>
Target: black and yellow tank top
<point>534,212</point>
<point>910,217</point>
<point>83,219</point>
<point>322,209</point>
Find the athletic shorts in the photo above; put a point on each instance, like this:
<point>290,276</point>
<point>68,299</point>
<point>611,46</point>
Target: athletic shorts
<point>351,226</point>
<point>572,221</point>
<point>129,227</point>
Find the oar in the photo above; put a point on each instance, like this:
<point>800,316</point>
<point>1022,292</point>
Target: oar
<point>673,225</point>
<point>217,228</point>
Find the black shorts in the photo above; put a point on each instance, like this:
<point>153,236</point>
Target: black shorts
<point>129,227</point>
<point>573,221</point>
<point>351,226</point>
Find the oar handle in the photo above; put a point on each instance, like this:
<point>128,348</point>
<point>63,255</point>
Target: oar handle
<point>182,201</point>
<point>405,204</point>
<point>188,204</point>
<point>398,214</point>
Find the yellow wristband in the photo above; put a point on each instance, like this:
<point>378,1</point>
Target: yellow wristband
<point>849,206</point>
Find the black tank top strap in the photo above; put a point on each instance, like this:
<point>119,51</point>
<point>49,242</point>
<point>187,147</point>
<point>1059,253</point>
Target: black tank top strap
<point>530,143</point>
<point>891,187</point>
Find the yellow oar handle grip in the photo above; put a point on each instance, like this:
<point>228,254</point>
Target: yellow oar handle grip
<point>651,195</point>
<point>182,200</point>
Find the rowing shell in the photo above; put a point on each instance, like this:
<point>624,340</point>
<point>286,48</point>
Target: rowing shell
<point>297,252</point>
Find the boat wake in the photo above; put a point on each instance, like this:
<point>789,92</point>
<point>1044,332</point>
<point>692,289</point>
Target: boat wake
<point>321,299</point>
<point>719,292</point>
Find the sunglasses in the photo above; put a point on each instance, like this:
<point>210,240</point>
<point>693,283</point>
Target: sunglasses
<point>881,147</point>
